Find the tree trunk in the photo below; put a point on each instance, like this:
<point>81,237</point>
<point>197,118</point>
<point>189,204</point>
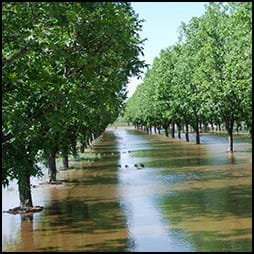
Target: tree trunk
<point>52,166</point>
<point>165,127</point>
<point>159,130</point>
<point>219,127</point>
<point>238,126</point>
<point>73,148</point>
<point>197,130</point>
<point>179,130</point>
<point>25,195</point>
<point>187,132</point>
<point>230,140</point>
<point>173,130</point>
<point>65,161</point>
<point>229,127</point>
<point>212,127</point>
<point>154,128</point>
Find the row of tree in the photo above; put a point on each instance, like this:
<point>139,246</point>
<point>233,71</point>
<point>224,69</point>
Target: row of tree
<point>65,69</point>
<point>204,79</point>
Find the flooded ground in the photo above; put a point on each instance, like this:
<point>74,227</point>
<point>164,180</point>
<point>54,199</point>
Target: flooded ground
<point>187,197</point>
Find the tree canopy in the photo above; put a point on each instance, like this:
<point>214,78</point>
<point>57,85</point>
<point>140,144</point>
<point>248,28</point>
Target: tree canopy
<point>205,78</point>
<point>65,71</point>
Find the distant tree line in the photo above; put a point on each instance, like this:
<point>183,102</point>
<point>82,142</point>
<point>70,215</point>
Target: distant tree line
<point>204,79</point>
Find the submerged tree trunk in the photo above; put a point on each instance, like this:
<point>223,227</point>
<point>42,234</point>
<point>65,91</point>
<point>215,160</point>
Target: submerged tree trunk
<point>212,127</point>
<point>150,129</point>
<point>197,130</point>
<point>230,140</point>
<point>52,166</point>
<point>179,130</point>
<point>219,126</point>
<point>187,132</point>
<point>173,130</point>
<point>229,127</point>
<point>25,195</point>
<point>166,130</point>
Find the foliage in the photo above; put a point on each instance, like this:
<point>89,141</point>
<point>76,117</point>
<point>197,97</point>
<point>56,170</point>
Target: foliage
<point>65,70</point>
<point>204,78</point>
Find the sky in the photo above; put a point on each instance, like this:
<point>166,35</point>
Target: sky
<point>162,21</point>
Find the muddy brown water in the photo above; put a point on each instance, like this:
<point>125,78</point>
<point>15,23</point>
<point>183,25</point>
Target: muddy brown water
<point>186,198</point>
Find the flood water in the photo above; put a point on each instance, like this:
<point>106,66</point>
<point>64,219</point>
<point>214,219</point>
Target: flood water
<point>187,197</point>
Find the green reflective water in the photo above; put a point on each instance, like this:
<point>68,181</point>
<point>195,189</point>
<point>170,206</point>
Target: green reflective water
<point>186,198</point>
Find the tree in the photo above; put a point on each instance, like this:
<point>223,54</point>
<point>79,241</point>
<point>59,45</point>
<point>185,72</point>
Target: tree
<point>65,70</point>
<point>204,78</point>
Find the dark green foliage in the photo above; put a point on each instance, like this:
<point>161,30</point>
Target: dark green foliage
<point>65,70</point>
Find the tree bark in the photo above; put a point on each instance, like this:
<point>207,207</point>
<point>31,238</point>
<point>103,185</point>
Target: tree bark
<point>52,166</point>
<point>25,195</point>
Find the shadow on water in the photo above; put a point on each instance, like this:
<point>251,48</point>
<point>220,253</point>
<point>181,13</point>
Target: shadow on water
<point>82,215</point>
